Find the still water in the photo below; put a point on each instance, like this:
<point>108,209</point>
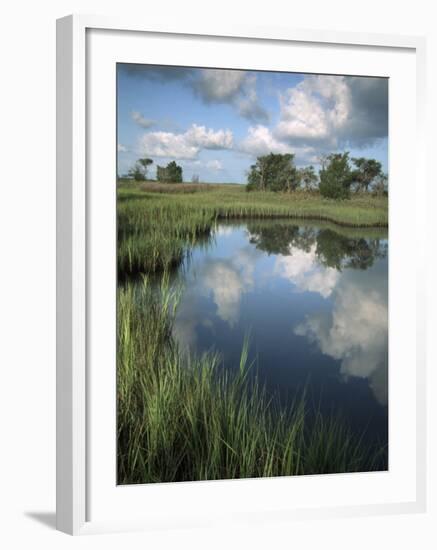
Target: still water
<point>313,300</point>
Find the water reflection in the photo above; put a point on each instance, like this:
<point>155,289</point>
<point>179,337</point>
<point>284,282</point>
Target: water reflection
<point>338,249</point>
<point>314,300</point>
<point>303,268</point>
<point>355,330</point>
<point>226,280</point>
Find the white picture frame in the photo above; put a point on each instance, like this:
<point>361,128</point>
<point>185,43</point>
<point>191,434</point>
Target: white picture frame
<point>74,280</point>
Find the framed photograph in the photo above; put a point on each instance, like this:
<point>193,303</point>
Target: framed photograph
<point>240,275</point>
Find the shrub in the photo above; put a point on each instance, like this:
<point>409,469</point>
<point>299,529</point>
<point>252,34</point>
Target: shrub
<point>172,173</point>
<point>274,172</point>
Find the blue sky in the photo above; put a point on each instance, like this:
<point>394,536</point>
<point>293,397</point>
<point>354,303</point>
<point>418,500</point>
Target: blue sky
<point>215,122</point>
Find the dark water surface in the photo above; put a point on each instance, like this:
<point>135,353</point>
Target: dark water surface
<point>313,300</point>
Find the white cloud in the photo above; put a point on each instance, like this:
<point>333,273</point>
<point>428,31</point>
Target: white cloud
<point>330,111</point>
<point>314,109</point>
<point>234,87</point>
<point>167,144</point>
<point>322,113</point>
<point>261,141</point>
<point>303,270</point>
<point>205,138</point>
<point>121,148</point>
<point>186,145</point>
<point>248,104</point>
<point>238,88</point>
<point>219,85</point>
<point>141,121</point>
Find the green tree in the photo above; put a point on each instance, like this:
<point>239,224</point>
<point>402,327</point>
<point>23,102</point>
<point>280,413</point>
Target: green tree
<point>172,173</point>
<point>139,170</point>
<point>274,172</point>
<point>367,170</point>
<point>336,177</point>
<point>308,177</point>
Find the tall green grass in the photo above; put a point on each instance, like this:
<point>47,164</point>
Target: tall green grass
<point>185,418</point>
<point>157,237</point>
<point>157,230</point>
<point>190,418</point>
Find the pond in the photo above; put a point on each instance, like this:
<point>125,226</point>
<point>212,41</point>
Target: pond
<point>313,301</point>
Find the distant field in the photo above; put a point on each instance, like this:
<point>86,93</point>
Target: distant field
<point>157,187</point>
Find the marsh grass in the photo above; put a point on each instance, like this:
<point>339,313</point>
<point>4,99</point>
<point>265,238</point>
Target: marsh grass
<point>156,237</point>
<point>187,418</point>
<point>156,230</point>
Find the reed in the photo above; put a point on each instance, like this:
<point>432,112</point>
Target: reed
<point>156,229</point>
<point>186,418</point>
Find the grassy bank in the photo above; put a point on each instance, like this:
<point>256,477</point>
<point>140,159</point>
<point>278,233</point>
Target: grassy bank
<point>232,201</point>
<point>186,418</point>
<point>157,224</point>
<point>190,418</point>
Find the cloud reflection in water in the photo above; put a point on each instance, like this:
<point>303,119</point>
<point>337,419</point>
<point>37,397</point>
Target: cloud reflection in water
<point>355,331</point>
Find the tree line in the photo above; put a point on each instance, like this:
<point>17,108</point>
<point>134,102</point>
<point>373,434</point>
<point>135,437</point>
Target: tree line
<point>338,176</point>
<point>172,173</point>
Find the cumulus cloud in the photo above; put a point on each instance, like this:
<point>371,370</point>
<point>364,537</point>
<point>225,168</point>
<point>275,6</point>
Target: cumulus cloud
<point>235,87</point>
<point>355,332</point>
<point>334,110</point>
<point>322,113</point>
<point>248,103</point>
<point>219,85</point>
<point>168,144</point>
<point>314,109</point>
<point>121,148</point>
<point>303,269</point>
<point>186,145</point>
<point>261,141</point>
<point>238,88</point>
<point>209,139</point>
<point>138,118</point>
